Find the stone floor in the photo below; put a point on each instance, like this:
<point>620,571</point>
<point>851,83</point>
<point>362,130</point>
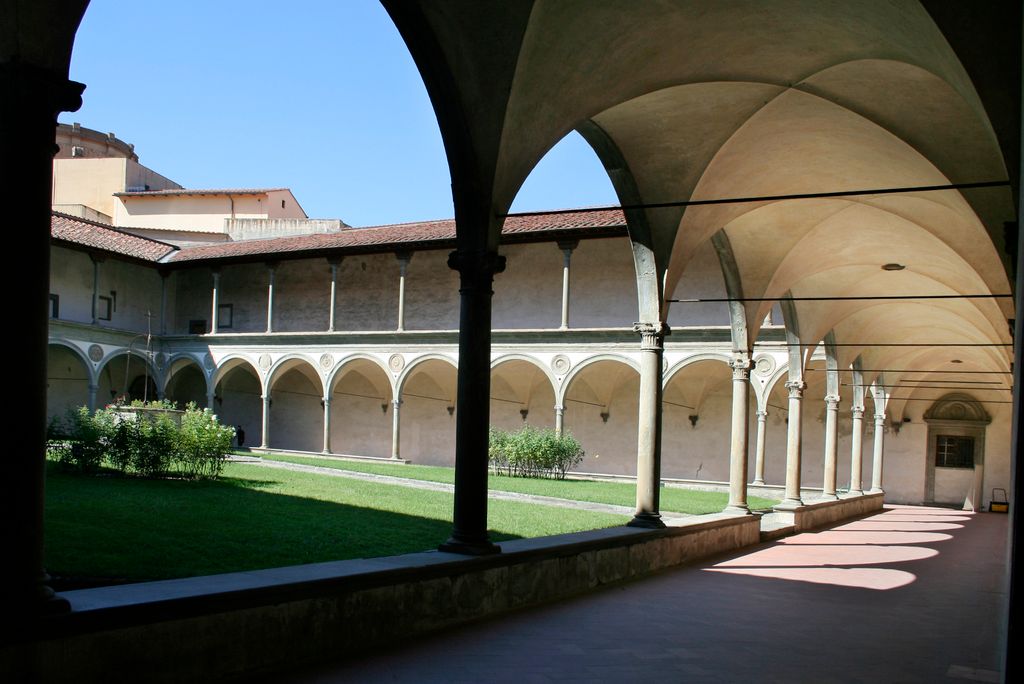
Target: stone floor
<point>911,594</point>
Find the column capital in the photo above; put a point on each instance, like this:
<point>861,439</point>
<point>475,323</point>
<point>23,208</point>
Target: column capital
<point>335,261</point>
<point>396,403</point>
<point>880,419</point>
<point>35,86</point>
<point>832,401</point>
<point>404,255</point>
<point>326,401</point>
<point>796,388</point>
<point>476,266</point>
<point>568,245</point>
<point>559,408</point>
<point>858,411</point>
<point>652,335</point>
<point>740,364</point>
<point>762,415</point>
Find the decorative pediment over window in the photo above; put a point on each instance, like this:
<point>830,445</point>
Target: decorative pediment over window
<point>957,406</point>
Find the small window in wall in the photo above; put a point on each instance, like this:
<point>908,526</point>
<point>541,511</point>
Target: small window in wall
<point>954,451</point>
<point>282,204</point>
<point>197,326</point>
<point>104,307</point>
<point>54,306</point>
<point>225,315</point>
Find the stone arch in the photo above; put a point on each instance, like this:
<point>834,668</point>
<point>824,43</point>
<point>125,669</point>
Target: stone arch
<point>126,372</point>
<point>596,358</point>
<point>361,391</point>
<point>520,383</point>
<point>601,403</point>
<point>185,380</point>
<point>427,395</point>
<point>697,418</point>
<point>238,388</point>
<point>296,391</point>
<point>69,375</point>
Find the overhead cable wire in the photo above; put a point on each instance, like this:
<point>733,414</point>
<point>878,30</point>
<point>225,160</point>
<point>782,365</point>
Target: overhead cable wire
<point>768,198</point>
<point>839,298</point>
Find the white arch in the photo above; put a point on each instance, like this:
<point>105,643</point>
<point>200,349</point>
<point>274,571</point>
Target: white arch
<point>408,370</point>
<point>285,363</point>
<point>578,368</point>
<point>172,371</point>
<point>504,358</point>
<point>335,374</point>
<point>696,358</point>
<point>79,354</point>
<point>233,361</point>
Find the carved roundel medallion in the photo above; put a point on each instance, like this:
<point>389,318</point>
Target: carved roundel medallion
<point>561,364</point>
<point>208,362</point>
<point>96,353</point>
<point>396,362</point>
<point>265,361</point>
<point>326,361</point>
<point>160,360</point>
<point>764,365</point>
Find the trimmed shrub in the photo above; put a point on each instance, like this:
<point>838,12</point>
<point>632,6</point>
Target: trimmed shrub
<point>150,443</point>
<point>533,452</point>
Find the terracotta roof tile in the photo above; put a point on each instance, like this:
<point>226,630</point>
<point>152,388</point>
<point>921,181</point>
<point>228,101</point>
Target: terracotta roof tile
<point>397,235</point>
<point>64,228</point>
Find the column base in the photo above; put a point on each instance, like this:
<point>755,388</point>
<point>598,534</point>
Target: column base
<point>789,505</point>
<point>759,483</point>
<point>876,490</point>
<point>479,547</point>
<point>829,497</point>
<point>650,521</point>
<point>737,510</point>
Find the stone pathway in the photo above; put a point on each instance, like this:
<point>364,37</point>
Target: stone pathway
<point>911,594</point>
<point>443,487</point>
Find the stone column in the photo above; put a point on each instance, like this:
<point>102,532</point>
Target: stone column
<point>828,490</point>
<point>762,418</point>
<point>96,261</point>
<point>403,265</point>
<point>211,399</point>
<point>272,271</point>
<point>738,442</point>
<point>857,452</point>
<point>648,456</point>
<point>559,419</point>
<point>163,302</point>
<point>335,263</point>
<point>265,426</point>
<point>327,425</point>
<point>396,429</point>
<point>794,437</point>
<point>93,391</point>
<point>476,275</point>
<point>876,461</point>
<point>567,246</point>
<point>30,99</point>
<point>215,306</point>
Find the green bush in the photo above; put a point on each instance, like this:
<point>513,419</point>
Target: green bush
<point>150,444</point>
<point>533,452</point>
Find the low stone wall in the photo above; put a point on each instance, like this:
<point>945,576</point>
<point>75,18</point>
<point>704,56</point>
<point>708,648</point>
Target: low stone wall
<point>257,622</point>
<point>815,514</point>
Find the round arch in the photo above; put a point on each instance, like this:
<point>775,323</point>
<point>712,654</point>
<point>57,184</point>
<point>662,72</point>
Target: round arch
<point>290,362</point>
<point>186,381</point>
<point>579,367</point>
<point>344,365</point>
<point>127,372</point>
<point>361,392</point>
<point>523,390</point>
<point>600,398</point>
<point>419,361</point>
<point>427,396</point>
<point>69,376</point>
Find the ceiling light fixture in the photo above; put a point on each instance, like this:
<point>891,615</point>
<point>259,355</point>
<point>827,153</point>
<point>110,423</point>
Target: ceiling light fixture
<point>893,266</point>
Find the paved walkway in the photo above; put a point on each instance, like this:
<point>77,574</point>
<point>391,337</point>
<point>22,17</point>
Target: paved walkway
<point>909,595</point>
<point>443,487</point>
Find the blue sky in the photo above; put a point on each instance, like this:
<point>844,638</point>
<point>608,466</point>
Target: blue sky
<point>323,99</point>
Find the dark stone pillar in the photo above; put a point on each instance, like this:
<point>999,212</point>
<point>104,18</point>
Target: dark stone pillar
<point>30,99</point>
<point>476,270</point>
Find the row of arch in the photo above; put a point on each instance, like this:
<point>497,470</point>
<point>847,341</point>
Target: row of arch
<point>286,407</point>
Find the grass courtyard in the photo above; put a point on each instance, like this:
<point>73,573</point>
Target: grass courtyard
<point>112,528</point>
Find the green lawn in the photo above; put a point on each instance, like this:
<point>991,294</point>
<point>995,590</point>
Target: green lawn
<point>673,499</point>
<point>128,528</point>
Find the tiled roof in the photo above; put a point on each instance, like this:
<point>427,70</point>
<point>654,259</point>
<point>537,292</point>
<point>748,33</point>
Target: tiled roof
<point>78,231</point>
<point>397,235</point>
<point>186,191</point>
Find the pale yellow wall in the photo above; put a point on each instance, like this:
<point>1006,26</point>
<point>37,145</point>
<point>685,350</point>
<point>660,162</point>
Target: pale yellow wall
<point>188,212</point>
<point>291,208</point>
<point>91,182</point>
